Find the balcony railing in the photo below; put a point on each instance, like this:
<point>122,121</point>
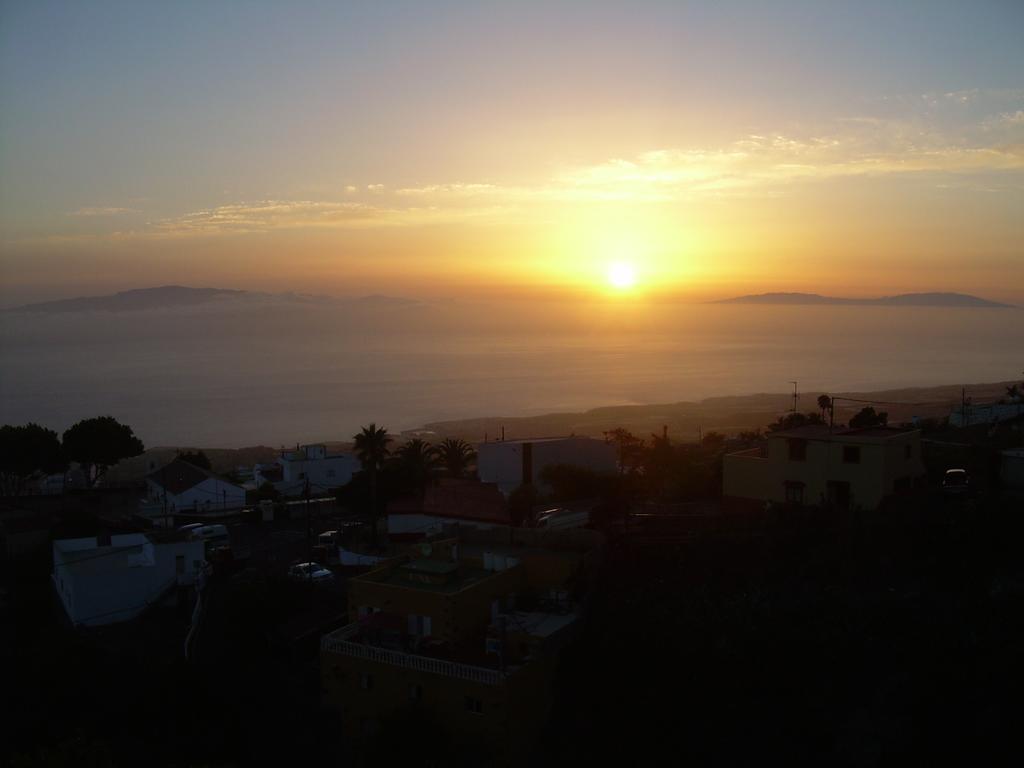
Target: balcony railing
<point>340,641</point>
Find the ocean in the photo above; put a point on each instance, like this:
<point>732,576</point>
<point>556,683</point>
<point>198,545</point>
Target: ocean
<point>237,373</point>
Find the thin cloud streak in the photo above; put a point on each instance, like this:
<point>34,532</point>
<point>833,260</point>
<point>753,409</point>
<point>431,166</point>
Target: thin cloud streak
<point>102,211</point>
<point>753,165</point>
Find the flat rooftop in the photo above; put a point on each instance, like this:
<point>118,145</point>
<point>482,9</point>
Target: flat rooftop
<point>822,432</point>
<point>458,578</point>
<point>521,440</point>
<point>540,624</point>
<point>514,550</point>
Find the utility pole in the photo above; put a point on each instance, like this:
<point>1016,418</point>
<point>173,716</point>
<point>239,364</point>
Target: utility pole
<point>831,413</point>
<point>963,406</point>
<point>796,395</point>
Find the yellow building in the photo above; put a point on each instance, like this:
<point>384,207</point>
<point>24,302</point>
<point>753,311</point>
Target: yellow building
<point>813,465</point>
<point>469,632</point>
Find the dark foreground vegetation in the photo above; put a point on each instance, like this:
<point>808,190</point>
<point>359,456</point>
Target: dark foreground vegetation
<point>889,638</point>
<point>885,639</point>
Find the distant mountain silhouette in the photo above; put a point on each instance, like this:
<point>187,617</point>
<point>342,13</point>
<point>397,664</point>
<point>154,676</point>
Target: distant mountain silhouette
<point>901,300</point>
<point>171,296</point>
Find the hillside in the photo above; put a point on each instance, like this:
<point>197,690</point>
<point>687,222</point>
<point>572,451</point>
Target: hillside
<point>729,415</point>
<point>900,300</point>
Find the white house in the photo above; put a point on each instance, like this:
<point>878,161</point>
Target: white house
<point>187,489</point>
<point>107,580</point>
<point>511,463</point>
<point>308,463</point>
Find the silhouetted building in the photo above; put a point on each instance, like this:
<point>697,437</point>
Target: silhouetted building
<point>450,501</point>
<point>466,629</point>
<point>511,463</point>
<point>813,464</point>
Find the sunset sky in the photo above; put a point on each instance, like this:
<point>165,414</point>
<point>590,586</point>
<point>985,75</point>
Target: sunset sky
<point>447,149</point>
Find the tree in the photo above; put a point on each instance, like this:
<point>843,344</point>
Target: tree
<point>867,417</point>
<point>794,420</point>
<point>371,446</point>
<point>713,441</point>
<point>196,459</point>
<point>24,451</point>
<point>97,444</point>
<point>628,447</point>
<point>415,462</point>
<point>455,455</point>
<point>824,404</point>
<point>571,483</point>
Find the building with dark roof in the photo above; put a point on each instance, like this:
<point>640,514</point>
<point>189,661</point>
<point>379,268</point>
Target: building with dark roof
<point>181,488</point>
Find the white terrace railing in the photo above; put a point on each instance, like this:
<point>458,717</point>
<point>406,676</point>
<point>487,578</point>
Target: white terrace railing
<point>340,641</point>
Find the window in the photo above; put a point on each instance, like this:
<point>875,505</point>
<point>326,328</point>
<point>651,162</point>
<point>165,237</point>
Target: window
<point>415,692</point>
<point>797,449</point>
<point>794,492</point>
<point>474,705</point>
<point>908,451</point>
<point>302,475</point>
<point>179,564</point>
<point>330,473</point>
<point>851,454</point>
<point>365,681</point>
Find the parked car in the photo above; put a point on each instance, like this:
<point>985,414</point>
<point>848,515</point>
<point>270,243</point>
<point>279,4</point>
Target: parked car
<point>956,482</point>
<point>310,572</point>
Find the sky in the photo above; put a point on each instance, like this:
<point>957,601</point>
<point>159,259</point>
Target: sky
<point>562,148</point>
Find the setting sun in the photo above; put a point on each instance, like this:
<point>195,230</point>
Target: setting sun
<point>621,275</point>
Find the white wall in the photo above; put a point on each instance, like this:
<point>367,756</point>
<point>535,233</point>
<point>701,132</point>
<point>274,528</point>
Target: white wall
<point>211,495</point>
<point>329,472</point>
<point>502,462</point>
<point>107,584</point>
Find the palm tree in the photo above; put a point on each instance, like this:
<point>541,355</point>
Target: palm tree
<point>417,460</point>
<point>825,404</point>
<point>455,455</point>
<point>371,446</point>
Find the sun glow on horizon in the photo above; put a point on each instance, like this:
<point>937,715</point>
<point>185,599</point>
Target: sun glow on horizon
<point>621,275</point>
